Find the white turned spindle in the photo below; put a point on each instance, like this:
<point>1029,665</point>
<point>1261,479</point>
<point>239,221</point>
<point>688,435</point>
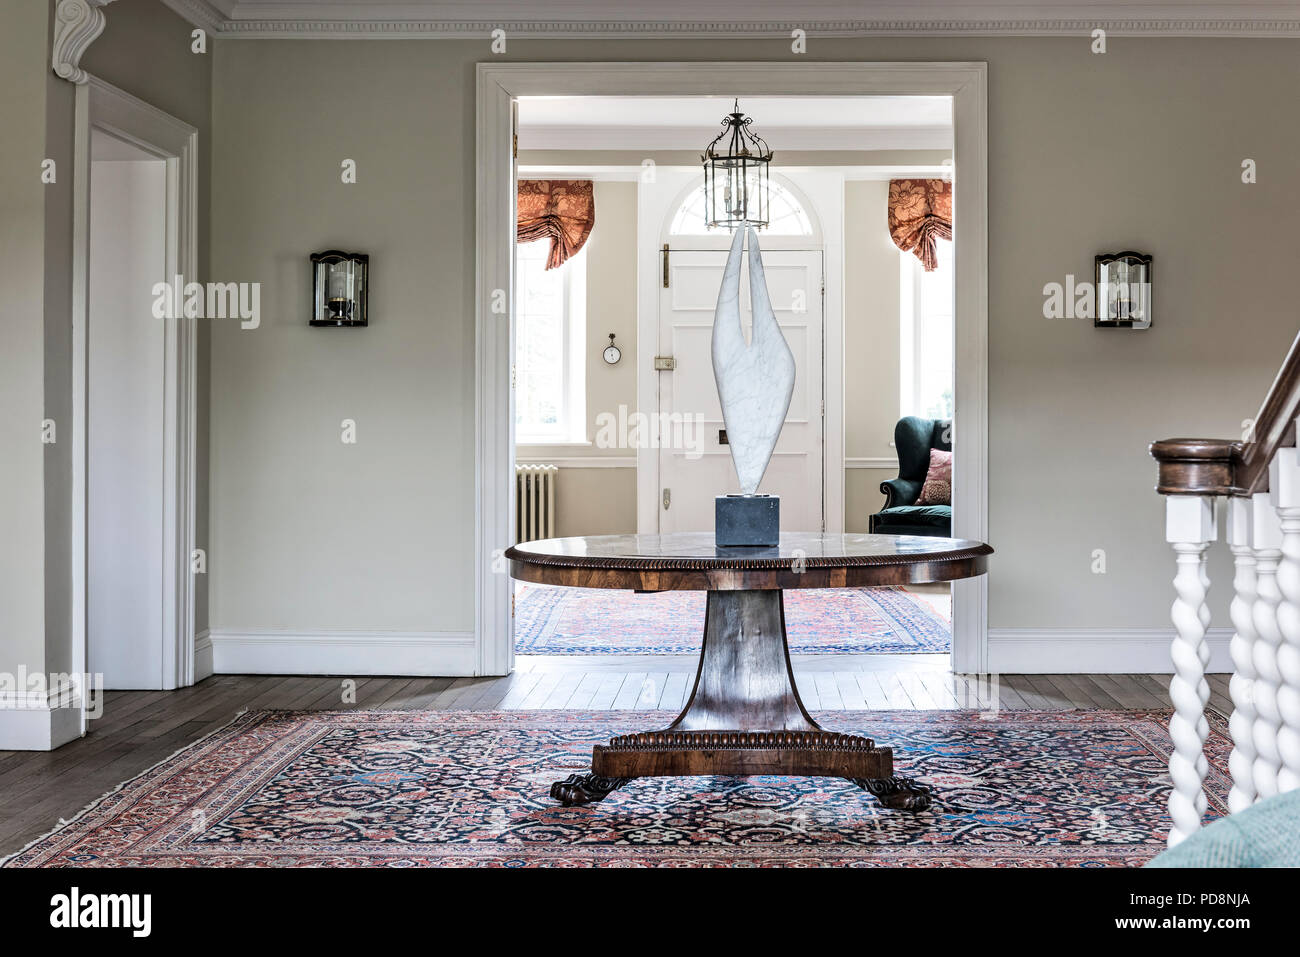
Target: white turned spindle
<point>1189,528</point>
<point>1241,687</point>
<point>1284,485</point>
<point>1203,686</point>
<point>1267,537</point>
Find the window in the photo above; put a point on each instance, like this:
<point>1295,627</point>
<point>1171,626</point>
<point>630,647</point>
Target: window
<point>926,335</point>
<point>550,329</point>
<point>786,216</point>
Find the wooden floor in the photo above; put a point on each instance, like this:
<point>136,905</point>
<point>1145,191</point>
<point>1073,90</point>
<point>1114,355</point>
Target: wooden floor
<point>140,728</point>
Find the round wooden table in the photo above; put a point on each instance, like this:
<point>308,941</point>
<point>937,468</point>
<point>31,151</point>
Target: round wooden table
<point>744,715</point>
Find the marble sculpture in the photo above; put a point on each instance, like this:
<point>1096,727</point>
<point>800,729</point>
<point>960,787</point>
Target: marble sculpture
<point>755,379</point>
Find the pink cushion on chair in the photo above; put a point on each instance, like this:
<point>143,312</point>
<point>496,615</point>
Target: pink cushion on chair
<point>937,489</point>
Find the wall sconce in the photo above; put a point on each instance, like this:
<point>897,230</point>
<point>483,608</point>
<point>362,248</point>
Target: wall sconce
<point>339,288</point>
<point>1123,285</point>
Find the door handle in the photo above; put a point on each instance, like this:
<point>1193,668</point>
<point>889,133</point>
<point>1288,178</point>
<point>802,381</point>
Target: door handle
<point>668,498</point>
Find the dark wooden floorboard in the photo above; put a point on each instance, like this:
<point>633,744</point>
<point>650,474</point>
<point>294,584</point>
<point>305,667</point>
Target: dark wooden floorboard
<point>140,728</point>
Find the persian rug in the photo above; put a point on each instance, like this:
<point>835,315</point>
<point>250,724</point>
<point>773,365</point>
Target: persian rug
<point>832,621</point>
<point>464,788</point>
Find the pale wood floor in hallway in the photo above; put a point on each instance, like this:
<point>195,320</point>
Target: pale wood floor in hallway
<point>140,728</point>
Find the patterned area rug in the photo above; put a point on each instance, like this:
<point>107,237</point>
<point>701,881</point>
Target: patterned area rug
<point>1027,788</point>
<point>840,621</point>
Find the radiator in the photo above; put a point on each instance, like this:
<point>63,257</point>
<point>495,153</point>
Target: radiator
<point>535,501</point>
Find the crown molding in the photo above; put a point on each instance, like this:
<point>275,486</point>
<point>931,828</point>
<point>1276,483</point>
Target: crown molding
<point>76,25</point>
<point>323,20</point>
<point>201,13</point>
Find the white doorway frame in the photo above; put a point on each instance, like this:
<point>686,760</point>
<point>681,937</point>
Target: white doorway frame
<point>498,85</point>
<point>102,106</point>
<point>821,192</point>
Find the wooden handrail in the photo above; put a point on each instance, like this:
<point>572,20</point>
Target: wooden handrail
<point>1227,467</point>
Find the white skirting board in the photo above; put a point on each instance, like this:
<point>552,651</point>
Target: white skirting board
<point>431,653</point>
<point>202,655</point>
<point>30,722</point>
<point>1071,651</point>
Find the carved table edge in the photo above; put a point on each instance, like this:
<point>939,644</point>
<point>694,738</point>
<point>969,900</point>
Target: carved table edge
<point>722,563</point>
<point>740,741</point>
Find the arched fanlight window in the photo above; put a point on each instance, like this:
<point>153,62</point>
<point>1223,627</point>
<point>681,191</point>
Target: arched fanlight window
<point>786,215</point>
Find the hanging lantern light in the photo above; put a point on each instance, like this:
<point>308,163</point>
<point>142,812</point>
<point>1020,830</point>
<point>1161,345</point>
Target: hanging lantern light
<point>735,174</point>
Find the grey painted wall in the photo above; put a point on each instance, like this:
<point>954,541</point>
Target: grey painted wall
<point>595,501</point>
<point>59,106</point>
<point>871,359</point>
<point>23,64</point>
<point>308,533</point>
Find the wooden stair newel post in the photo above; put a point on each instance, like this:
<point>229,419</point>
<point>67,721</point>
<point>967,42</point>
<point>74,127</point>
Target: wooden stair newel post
<point>1284,482</point>
<point>1189,528</point>
<point>1242,685</point>
<point>1267,534</point>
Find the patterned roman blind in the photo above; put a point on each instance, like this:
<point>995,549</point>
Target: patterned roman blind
<point>561,210</point>
<point>920,214</point>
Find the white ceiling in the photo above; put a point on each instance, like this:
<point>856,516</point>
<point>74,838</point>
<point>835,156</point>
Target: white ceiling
<point>475,18</point>
<point>786,123</point>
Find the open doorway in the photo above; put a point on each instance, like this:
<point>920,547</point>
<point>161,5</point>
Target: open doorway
<point>135,228</point>
<point>638,445</point>
<point>502,86</point>
<point>126,633</point>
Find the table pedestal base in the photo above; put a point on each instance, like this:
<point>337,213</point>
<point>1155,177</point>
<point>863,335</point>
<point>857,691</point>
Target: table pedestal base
<point>744,717</point>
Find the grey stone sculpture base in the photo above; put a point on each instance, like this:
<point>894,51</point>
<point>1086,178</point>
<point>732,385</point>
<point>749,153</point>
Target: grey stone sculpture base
<point>740,520</point>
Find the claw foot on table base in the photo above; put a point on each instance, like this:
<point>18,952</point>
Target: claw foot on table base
<point>586,788</point>
<point>895,793</point>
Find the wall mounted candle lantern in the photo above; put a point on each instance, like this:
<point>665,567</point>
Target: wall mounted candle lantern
<point>1123,286</point>
<point>735,174</point>
<point>339,288</point>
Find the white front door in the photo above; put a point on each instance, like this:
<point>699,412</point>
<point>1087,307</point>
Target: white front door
<point>690,478</point>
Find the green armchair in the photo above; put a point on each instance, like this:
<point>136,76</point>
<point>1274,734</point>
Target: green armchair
<point>914,438</point>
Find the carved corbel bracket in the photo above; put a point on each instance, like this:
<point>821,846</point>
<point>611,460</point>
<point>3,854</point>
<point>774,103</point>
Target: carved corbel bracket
<point>76,25</point>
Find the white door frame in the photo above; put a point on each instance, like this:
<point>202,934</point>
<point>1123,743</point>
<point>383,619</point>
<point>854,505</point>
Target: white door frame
<point>101,105</point>
<point>823,196</point>
<point>497,87</point>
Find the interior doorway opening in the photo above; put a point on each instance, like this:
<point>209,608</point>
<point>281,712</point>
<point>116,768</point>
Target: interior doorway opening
<point>501,87</point>
<point>134,396</point>
<point>828,233</point>
<point>126,634</point>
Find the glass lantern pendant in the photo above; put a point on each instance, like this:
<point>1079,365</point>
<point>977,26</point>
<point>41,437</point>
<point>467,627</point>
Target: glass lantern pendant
<point>736,174</point>
<point>339,288</point>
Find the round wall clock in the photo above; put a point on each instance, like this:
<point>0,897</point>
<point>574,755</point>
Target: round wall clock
<point>612,352</point>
